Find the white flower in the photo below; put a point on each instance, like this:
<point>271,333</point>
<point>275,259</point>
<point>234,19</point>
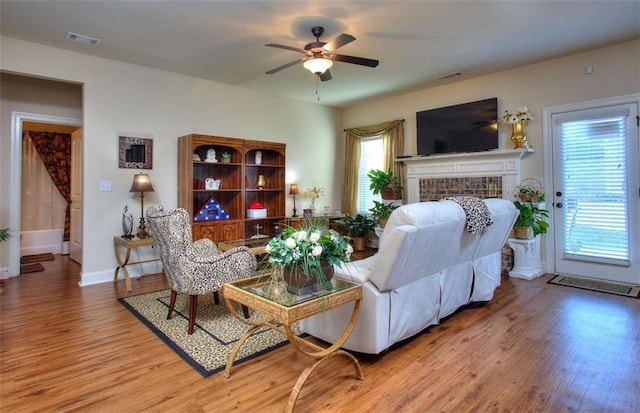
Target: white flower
<point>301,235</point>
<point>267,249</point>
<point>317,250</point>
<point>314,237</point>
<point>521,115</point>
<point>290,243</point>
<point>349,249</point>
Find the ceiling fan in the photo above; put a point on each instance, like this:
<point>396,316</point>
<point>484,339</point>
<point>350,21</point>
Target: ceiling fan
<point>319,56</point>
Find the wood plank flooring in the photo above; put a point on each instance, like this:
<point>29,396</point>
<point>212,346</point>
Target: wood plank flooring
<point>534,348</point>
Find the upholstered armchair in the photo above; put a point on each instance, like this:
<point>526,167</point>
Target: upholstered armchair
<point>194,268</point>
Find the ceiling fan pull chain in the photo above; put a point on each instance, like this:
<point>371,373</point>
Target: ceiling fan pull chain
<point>318,87</point>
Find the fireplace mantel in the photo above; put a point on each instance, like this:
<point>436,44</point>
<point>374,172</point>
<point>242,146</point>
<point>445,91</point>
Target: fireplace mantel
<point>500,162</point>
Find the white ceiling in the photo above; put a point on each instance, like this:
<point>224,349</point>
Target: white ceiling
<point>414,41</point>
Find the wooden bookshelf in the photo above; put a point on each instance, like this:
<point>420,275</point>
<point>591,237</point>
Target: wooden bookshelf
<point>238,184</point>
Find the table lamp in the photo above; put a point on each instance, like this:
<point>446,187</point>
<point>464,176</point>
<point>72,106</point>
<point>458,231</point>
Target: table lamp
<point>293,190</point>
<point>142,184</point>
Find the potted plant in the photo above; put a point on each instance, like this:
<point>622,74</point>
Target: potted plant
<point>381,211</point>
<point>531,221</point>
<point>385,184</point>
<point>306,255</point>
<point>530,192</point>
<point>359,226</point>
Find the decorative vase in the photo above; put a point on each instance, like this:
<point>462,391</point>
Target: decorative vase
<point>518,135</point>
<point>300,283</point>
<point>391,194</point>
<point>523,232</point>
<point>359,244</point>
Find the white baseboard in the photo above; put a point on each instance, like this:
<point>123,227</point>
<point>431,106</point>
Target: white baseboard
<point>135,271</point>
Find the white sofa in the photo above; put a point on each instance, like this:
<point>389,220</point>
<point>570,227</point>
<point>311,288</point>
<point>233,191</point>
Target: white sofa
<point>427,266</point>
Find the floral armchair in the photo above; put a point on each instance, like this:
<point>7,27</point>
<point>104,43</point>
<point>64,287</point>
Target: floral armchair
<point>194,268</point>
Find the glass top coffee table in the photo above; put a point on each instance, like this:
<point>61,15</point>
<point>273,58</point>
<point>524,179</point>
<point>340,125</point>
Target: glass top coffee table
<point>281,310</point>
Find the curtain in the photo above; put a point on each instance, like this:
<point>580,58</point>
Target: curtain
<point>55,151</point>
<point>392,133</point>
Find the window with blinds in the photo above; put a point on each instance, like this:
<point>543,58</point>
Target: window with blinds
<point>370,158</point>
<point>594,190</point>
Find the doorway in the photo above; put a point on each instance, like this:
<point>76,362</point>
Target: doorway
<point>595,160</point>
<point>20,123</point>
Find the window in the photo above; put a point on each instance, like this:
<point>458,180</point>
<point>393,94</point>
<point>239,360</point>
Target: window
<point>371,157</point>
<point>594,172</point>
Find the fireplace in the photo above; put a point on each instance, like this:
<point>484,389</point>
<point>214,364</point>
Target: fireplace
<point>483,174</point>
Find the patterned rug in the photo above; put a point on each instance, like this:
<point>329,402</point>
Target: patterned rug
<point>216,332</point>
<point>610,287</point>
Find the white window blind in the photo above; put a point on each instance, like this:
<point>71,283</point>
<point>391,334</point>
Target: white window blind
<point>370,158</point>
<point>594,193</point>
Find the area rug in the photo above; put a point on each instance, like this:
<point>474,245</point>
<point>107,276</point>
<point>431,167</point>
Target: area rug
<point>609,287</point>
<point>29,268</point>
<point>28,259</point>
<point>216,332</point>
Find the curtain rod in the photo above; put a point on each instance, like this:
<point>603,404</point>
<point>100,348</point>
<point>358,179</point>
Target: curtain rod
<point>344,130</point>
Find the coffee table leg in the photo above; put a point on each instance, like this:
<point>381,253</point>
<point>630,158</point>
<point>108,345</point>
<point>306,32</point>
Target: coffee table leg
<point>322,354</point>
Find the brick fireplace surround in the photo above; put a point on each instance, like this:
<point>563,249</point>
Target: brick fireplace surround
<point>484,174</point>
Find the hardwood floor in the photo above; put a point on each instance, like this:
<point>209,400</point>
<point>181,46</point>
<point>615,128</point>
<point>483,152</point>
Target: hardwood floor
<point>534,348</point>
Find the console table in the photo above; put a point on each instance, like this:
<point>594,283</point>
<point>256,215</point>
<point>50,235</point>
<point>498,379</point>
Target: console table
<point>128,245</point>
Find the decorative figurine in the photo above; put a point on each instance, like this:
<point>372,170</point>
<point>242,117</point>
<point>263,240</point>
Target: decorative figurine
<point>211,155</point>
<point>226,157</point>
<point>127,223</point>
<point>258,158</point>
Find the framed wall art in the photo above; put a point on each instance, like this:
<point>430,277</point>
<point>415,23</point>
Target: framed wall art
<point>135,151</point>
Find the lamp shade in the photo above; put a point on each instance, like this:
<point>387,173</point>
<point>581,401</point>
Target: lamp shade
<point>141,183</point>
<point>293,189</point>
<point>318,65</point>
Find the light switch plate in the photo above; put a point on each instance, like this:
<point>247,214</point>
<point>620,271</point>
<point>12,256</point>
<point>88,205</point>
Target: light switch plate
<point>105,186</point>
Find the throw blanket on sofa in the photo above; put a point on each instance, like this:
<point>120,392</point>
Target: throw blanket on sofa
<point>476,212</point>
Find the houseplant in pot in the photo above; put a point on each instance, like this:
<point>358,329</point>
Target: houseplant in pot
<point>358,226</point>
<point>381,211</point>
<point>531,222</point>
<point>306,256</point>
<point>385,184</point>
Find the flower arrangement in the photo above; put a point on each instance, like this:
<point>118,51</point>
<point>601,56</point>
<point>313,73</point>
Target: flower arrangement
<point>520,115</point>
<point>306,247</point>
<point>315,191</point>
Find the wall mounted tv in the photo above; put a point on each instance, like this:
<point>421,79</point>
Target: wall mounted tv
<point>468,127</point>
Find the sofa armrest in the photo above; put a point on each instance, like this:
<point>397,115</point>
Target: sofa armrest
<point>357,272</point>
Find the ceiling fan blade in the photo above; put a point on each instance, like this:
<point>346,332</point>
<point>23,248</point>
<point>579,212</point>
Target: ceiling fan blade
<point>338,41</point>
<point>326,76</point>
<point>279,68</point>
<point>281,46</point>
<point>355,60</point>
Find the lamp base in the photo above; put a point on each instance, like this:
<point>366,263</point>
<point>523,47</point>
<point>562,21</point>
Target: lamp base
<point>142,230</point>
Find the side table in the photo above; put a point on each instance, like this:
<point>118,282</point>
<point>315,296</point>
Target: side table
<point>281,312</point>
<point>128,245</point>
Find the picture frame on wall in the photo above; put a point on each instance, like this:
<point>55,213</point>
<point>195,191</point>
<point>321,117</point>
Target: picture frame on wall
<point>135,151</point>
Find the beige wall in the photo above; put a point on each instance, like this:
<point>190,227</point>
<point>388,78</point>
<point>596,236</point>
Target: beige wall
<point>120,97</point>
<point>616,72</point>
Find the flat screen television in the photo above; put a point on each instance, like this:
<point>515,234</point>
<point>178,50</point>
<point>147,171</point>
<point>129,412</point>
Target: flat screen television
<point>468,127</point>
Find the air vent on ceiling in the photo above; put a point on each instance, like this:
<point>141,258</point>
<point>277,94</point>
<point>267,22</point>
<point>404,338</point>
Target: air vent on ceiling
<point>448,75</point>
<point>80,38</point>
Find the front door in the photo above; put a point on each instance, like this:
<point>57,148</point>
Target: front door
<point>75,242</point>
<point>595,194</point>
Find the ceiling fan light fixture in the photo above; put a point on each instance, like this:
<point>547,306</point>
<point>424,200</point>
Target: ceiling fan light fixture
<point>318,65</point>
